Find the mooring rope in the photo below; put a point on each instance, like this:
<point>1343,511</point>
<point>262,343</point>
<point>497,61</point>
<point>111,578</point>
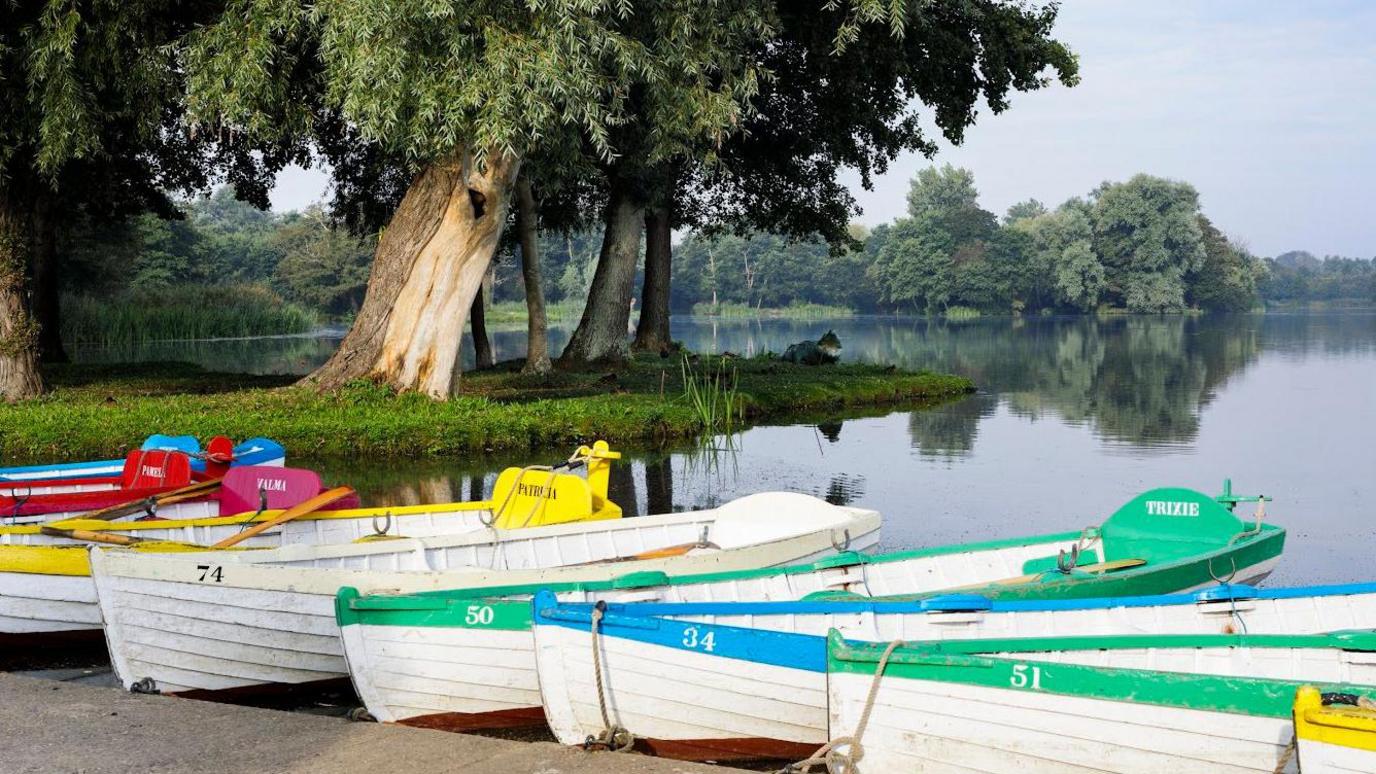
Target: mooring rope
<point>1285,755</point>
<point>490,521</point>
<point>613,737</point>
<point>835,761</point>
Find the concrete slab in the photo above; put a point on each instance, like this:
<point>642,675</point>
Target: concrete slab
<point>48,726</point>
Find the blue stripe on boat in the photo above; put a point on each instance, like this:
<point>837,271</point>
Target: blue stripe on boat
<point>783,649</point>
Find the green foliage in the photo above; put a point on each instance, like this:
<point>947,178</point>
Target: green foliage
<point>428,82</point>
<point>320,265</point>
<point>767,271</point>
<point>1147,235</point>
<point>93,411</point>
<point>944,190</point>
<point>182,312</point>
<point>1299,277</point>
<point>1227,278</point>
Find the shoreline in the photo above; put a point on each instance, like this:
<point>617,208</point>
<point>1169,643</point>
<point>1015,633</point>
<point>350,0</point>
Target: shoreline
<point>96,411</point>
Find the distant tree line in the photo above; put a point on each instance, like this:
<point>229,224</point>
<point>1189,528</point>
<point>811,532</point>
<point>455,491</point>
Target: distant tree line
<point>1142,245</point>
<point>1300,276</point>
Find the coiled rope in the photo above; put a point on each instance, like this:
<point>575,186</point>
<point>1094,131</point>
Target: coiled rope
<point>835,761</point>
<point>493,516</point>
<point>613,737</point>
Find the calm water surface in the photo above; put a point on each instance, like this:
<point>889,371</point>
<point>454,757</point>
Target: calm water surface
<point>1073,417</point>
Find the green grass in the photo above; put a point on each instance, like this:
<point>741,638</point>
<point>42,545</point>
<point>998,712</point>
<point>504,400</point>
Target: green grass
<point>96,411</point>
<point>508,312</point>
<point>190,312</point>
<point>960,313</point>
<point>793,311</point>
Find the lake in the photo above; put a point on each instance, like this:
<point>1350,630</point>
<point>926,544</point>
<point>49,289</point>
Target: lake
<point>1073,417</point>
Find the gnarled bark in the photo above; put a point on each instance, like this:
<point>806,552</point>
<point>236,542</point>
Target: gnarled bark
<point>430,261</point>
<point>652,332</point>
<point>601,333</point>
<point>537,323</point>
<point>19,375</point>
<point>477,325</point>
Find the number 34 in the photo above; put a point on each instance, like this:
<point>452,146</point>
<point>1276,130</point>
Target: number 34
<point>691,639</point>
<point>1026,676</point>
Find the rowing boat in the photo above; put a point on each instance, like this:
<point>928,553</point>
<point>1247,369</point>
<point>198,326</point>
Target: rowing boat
<point>92,475</point>
<point>465,658</point>
<point>1335,732</point>
<point>1137,703</point>
<point>144,474</point>
<point>45,583</point>
<point>235,620</point>
<point>763,664</point>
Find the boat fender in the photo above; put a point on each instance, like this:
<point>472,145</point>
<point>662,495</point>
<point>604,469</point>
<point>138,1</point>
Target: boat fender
<point>1226,593</point>
<point>955,603</point>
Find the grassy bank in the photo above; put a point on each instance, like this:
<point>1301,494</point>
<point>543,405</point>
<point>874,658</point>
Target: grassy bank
<point>794,311</point>
<point>188,312</point>
<point>97,411</point>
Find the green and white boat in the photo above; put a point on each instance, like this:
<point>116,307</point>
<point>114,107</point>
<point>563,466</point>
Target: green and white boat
<point>465,658</point>
<point>1140,703</point>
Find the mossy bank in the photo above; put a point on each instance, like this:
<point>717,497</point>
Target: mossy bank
<point>102,410</point>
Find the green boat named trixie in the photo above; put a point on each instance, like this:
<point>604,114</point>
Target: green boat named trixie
<point>1140,703</point>
<point>465,658</point>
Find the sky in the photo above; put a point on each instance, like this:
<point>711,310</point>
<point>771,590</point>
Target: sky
<point>1267,107</point>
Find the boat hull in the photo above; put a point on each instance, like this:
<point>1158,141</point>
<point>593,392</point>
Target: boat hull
<point>45,583</point>
<point>1128,704</point>
<point>305,582</point>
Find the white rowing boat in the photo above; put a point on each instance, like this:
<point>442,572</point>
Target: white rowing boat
<point>234,620</point>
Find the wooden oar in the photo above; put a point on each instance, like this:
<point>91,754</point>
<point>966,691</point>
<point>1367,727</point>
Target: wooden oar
<point>310,506</point>
<point>191,492</point>
<point>113,538</point>
<point>1101,567</point>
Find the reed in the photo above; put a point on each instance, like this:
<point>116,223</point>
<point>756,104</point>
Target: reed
<point>960,313</point>
<point>711,394</point>
<point>188,312</point>
<point>799,311</point>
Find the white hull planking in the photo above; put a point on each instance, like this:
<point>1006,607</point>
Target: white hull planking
<point>411,672</point>
<point>661,693</point>
<point>1301,615</point>
<point>924,725</point>
<point>33,603</point>
<point>564,552</point>
<point>1322,758</point>
<point>47,604</point>
<point>935,727</point>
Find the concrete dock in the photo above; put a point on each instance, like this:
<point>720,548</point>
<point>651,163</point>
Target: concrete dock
<point>48,726</point>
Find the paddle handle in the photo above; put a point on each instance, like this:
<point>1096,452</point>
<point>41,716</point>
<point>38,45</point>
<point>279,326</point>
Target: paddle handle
<point>191,492</point>
<point>310,506</point>
<point>112,538</point>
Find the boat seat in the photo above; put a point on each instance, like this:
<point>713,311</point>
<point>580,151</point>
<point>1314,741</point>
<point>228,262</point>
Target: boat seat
<point>767,516</point>
<point>283,487</point>
<point>155,469</point>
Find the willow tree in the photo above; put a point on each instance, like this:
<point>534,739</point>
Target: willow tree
<point>466,90</point>
<point>853,86</point>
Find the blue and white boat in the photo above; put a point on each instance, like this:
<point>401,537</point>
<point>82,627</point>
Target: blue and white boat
<point>97,475</point>
<point>739,680</point>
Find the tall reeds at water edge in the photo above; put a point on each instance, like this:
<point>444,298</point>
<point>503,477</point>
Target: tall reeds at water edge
<point>189,312</point>
<point>711,394</point>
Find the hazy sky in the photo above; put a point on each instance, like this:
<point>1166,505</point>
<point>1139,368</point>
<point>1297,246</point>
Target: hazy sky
<point>1266,107</point>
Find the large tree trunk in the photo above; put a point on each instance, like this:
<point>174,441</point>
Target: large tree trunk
<point>47,310</point>
<point>601,333</point>
<point>652,333</point>
<point>477,324</point>
<point>430,262</point>
<point>19,375</point>
<point>537,324</point>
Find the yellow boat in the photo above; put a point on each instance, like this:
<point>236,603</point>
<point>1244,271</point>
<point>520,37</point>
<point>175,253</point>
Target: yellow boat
<point>1334,732</point>
<point>45,583</point>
